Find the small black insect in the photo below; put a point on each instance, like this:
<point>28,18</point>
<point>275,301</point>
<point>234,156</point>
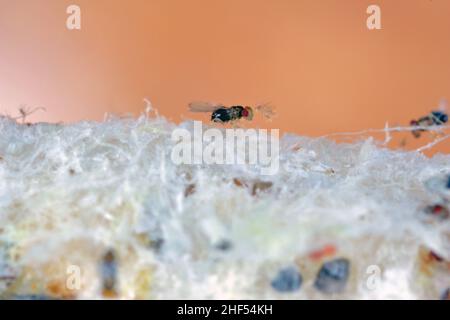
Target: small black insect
<point>434,118</point>
<point>222,114</point>
<point>231,114</point>
<point>438,211</point>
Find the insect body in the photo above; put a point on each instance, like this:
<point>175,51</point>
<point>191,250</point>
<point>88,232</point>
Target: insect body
<point>438,211</point>
<point>232,113</point>
<point>435,118</point>
<point>222,114</point>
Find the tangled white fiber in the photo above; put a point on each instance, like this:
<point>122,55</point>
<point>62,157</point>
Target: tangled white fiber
<point>69,193</point>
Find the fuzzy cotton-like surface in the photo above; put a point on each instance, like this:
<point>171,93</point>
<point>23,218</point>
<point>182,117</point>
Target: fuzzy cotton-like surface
<point>71,192</point>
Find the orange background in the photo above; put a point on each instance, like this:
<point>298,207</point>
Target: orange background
<point>315,60</point>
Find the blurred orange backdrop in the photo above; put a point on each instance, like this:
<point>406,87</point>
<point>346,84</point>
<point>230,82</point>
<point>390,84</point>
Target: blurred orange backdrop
<point>315,60</point>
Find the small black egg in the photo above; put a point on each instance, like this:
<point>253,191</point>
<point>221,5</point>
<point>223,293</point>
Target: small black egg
<point>333,276</point>
<point>287,280</point>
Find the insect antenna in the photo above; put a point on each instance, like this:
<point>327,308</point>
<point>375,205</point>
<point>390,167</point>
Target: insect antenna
<point>266,110</point>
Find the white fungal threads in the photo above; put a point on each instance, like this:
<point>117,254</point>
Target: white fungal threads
<point>239,146</point>
<point>388,130</point>
<point>211,231</point>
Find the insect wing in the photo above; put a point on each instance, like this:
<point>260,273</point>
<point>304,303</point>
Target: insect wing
<point>200,106</point>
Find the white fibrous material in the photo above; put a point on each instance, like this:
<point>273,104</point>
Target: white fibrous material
<point>99,210</point>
